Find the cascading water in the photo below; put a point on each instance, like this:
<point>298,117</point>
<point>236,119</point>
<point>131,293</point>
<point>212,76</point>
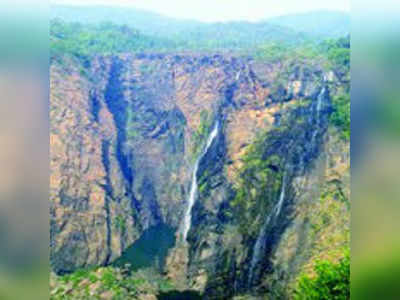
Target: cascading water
<point>281,198</point>
<point>259,246</point>
<point>193,190</point>
<point>320,99</point>
<point>319,106</point>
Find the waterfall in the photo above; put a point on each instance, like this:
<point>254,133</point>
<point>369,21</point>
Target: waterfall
<point>319,106</point>
<point>193,189</point>
<point>259,246</point>
<point>319,103</point>
<point>281,198</point>
<point>238,75</point>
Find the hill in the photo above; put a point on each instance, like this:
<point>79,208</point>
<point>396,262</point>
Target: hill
<point>318,23</point>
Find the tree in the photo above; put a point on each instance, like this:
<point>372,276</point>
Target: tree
<point>331,282</point>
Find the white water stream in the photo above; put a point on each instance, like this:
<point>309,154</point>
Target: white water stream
<point>260,243</point>
<point>193,189</point>
<point>319,106</point>
<point>259,246</point>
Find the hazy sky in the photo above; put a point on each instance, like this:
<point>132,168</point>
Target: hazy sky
<point>222,10</point>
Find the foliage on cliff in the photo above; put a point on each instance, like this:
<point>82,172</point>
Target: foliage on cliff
<point>257,187</point>
<point>275,154</point>
<point>332,281</point>
<point>341,115</point>
<point>338,53</point>
<point>202,132</point>
<point>335,53</point>
<point>108,283</point>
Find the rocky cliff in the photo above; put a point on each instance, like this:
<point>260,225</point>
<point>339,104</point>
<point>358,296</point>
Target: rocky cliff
<point>272,188</point>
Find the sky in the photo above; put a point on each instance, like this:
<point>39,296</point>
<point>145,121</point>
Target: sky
<point>221,10</point>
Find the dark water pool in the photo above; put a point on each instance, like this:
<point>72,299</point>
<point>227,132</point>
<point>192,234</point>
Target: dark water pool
<point>176,295</point>
<point>150,250</point>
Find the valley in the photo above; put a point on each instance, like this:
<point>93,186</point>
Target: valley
<point>214,175</point>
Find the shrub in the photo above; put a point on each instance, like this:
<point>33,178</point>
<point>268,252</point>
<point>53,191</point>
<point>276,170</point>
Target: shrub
<point>332,281</point>
<point>341,115</point>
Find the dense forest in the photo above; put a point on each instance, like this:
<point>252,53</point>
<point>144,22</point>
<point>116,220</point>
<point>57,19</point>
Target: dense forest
<point>109,37</point>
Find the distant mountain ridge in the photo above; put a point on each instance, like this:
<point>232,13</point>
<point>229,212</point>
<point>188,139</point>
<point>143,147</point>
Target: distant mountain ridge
<point>290,28</point>
<point>145,21</point>
<point>319,23</point>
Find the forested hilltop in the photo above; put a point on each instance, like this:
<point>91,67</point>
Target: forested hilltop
<point>143,31</point>
<point>251,121</point>
<point>318,24</point>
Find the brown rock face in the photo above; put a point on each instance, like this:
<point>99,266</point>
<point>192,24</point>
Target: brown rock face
<point>124,133</point>
<point>85,179</point>
<point>126,130</point>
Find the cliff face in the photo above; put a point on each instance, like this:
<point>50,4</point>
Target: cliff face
<point>278,197</point>
<point>88,192</point>
<point>126,130</point>
<point>124,134</point>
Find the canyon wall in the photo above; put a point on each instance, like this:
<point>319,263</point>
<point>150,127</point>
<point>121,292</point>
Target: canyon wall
<point>126,131</point>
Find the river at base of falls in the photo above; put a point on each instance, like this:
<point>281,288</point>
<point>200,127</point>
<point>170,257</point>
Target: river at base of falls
<point>150,250</point>
<point>179,295</point>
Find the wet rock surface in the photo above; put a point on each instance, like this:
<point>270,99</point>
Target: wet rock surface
<point>126,131</point>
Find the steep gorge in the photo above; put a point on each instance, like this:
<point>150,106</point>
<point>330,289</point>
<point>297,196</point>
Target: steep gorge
<point>127,130</point>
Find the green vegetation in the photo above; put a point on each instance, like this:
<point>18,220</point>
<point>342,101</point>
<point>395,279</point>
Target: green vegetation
<point>106,38</point>
<point>108,282</point>
<point>194,35</point>
<point>338,51</point>
<point>331,281</point>
<point>165,33</point>
<point>202,132</point>
<point>203,187</point>
<point>273,52</point>
<point>338,54</point>
<point>341,115</point>
<point>76,277</point>
<point>318,23</point>
<point>139,121</point>
<point>120,223</point>
<point>258,185</point>
<point>264,41</point>
<point>333,53</point>
<point>132,130</point>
